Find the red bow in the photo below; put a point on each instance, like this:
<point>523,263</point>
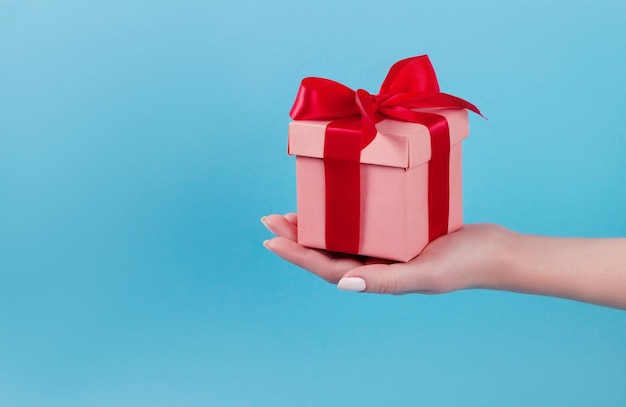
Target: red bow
<point>410,84</point>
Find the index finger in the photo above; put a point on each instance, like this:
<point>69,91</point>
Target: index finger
<point>318,262</point>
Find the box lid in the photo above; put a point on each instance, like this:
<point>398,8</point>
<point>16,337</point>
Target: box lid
<point>397,144</point>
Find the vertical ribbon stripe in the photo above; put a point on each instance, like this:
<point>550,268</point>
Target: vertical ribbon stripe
<point>342,172</point>
<point>438,177</point>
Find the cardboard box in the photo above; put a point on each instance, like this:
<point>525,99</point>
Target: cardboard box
<point>394,185</point>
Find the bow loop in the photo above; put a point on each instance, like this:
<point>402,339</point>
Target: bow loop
<point>412,76</point>
<point>323,99</point>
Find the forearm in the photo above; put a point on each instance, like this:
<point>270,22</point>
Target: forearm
<point>588,270</point>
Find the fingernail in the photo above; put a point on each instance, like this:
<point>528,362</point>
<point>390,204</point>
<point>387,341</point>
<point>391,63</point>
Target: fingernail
<point>264,221</point>
<point>351,284</point>
<point>266,244</point>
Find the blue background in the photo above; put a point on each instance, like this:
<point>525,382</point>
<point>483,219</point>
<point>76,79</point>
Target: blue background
<point>141,141</point>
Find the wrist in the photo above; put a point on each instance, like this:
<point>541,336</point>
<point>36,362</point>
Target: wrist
<point>524,264</point>
<point>500,265</point>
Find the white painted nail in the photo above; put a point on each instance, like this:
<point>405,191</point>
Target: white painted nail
<point>351,284</point>
<point>264,221</point>
<point>266,244</point>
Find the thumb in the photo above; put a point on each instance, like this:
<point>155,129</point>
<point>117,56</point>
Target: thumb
<point>396,278</point>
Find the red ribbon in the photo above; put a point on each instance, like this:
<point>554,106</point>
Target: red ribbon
<point>410,84</point>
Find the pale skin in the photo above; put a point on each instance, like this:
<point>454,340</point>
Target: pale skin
<point>487,256</point>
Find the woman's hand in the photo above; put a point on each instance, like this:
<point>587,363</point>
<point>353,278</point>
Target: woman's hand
<point>468,258</point>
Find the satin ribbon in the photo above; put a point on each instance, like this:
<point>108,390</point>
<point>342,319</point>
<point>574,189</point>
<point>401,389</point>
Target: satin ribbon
<point>410,84</point>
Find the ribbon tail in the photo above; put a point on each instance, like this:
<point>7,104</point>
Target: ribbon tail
<point>444,100</point>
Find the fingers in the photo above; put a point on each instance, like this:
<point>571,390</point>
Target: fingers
<point>292,218</point>
<point>282,226</point>
<point>317,262</point>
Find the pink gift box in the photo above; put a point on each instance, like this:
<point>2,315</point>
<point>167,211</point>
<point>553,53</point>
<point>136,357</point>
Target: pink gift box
<point>394,185</point>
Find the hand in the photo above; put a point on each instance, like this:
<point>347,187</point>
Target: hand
<point>468,258</point>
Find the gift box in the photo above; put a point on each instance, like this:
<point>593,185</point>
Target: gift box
<point>378,175</point>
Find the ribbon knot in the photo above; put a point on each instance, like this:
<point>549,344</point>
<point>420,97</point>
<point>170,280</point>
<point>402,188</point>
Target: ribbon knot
<point>410,85</point>
<point>364,96</point>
